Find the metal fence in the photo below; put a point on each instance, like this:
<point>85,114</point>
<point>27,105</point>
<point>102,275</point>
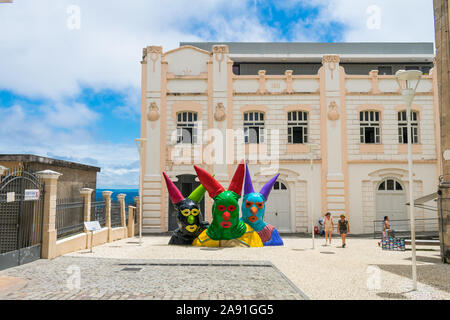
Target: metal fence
<point>116,219</point>
<point>98,212</point>
<point>425,228</point>
<point>69,217</point>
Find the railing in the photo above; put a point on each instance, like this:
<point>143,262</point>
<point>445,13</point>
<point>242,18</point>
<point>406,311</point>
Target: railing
<point>98,212</point>
<point>425,228</point>
<point>69,217</point>
<point>116,219</point>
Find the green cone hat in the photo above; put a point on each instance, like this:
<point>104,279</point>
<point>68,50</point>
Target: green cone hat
<point>198,194</point>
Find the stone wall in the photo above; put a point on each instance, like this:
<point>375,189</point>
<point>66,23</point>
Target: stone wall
<point>69,184</point>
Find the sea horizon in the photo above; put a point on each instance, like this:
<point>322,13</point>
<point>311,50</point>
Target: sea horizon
<point>129,198</point>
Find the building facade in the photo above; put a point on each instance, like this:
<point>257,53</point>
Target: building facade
<point>283,106</point>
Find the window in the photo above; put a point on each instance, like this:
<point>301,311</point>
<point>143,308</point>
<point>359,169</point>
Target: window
<point>370,127</point>
<point>279,186</point>
<point>297,127</point>
<point>385,70</point>
<point>187,127</point>
<point>403,127</point>
<point>390,185</point>
<point>254,127</point>
<point>236,69</point>
<point>407,68</point>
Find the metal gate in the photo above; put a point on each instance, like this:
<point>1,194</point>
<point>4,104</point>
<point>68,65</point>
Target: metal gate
<point>21,217</point>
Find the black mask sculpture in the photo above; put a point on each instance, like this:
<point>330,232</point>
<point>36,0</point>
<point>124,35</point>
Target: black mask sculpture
<point>189,217</point>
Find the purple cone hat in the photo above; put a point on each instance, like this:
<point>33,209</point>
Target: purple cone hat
<point>265,191</point>
<point>248,186</point>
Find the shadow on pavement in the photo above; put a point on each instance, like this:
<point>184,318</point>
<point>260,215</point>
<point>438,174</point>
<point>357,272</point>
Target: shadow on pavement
<point>437,275</point>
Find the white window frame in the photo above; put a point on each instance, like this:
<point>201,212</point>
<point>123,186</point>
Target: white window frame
<point>403,126</point>
<point>301,120</point>
<point>185,120</point>
<point>368,119</point>
<point>253,119</point>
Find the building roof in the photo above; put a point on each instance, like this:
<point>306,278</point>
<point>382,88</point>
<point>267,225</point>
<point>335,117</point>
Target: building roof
<point>292,51</point>
<point>30,158</point>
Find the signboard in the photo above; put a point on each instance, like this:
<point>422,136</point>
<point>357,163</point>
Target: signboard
<point>92,226</point>
<point>10,197</point>
<point>31,194</point>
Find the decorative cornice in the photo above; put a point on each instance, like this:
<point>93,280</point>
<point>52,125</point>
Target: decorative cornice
<point>331,59</point>
<point>154,53</point>
<point>219,52</point>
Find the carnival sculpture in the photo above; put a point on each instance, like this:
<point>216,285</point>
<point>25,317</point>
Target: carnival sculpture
<point>253,210</point>
<point>189,217</point>
<point>226,229</point>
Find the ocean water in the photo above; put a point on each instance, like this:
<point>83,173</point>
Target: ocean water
<point>130,194</point>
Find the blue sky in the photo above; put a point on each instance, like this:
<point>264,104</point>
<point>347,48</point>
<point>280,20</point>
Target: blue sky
<point>74,94</point>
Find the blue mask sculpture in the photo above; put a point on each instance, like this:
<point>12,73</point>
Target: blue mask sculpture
<point>253,210</point>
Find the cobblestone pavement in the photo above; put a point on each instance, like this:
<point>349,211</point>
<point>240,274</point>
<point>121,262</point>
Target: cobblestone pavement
<point>89,278</point>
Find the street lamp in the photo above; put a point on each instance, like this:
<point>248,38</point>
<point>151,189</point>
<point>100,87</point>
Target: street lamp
<point>311,200</point>
<point>140,144</point>
<point>408,82</point>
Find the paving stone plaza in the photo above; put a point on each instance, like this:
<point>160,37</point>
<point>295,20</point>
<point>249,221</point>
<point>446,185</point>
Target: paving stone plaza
<point>124,270</point>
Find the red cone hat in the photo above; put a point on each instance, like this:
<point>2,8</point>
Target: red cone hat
<point>174,193</point>
<point>211,185</point>
<point>238,179</point>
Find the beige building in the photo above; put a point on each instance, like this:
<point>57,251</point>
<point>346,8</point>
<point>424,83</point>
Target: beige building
<point>274,102</point>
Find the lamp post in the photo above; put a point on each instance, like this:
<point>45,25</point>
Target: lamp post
<point>311,200</point>
<point>408,82</point>
<point>140,144</point>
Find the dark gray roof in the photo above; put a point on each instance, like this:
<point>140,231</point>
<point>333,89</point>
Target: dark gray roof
<point>31,158</point>
<point>320,48</point>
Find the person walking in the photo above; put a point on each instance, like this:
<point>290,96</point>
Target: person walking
<point>344,229</point>
<point>328,226</point>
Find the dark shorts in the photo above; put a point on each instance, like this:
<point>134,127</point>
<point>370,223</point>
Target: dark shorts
<point>343,231</point>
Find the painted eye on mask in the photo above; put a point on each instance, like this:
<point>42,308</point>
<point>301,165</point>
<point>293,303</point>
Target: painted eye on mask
<point>260,205</point>
<point>231,208</point>
<point>186,212</point>
<point>248,204</point>
<point>195,212</point>
<point>221,208</point>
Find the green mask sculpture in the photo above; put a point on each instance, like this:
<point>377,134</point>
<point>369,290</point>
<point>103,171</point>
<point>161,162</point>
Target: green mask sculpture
<point>226,224</point>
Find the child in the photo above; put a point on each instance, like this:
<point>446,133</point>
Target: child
<point>329,226</point>
<point>344,228</point>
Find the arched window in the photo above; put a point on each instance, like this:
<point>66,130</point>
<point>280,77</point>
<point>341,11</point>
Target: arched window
<point>370,127</point>
<point>187,127</point>
<point>254,127</point>
<point>279,186</point>
<point>297,127</point>
<point>403,127</point>
<point>390,185</point>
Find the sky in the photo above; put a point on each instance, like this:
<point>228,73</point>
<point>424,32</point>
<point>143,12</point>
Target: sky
<point>70,69</point>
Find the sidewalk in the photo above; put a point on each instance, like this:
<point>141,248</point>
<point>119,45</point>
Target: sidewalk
<point>360,271</point>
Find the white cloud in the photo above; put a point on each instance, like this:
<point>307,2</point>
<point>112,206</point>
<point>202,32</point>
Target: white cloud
<point>400,20</point>
<point>41,57</point>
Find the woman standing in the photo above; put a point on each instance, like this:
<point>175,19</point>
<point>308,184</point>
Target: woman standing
<point>329,226</point>
<point>344,229</point>
<point>386,228</point>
